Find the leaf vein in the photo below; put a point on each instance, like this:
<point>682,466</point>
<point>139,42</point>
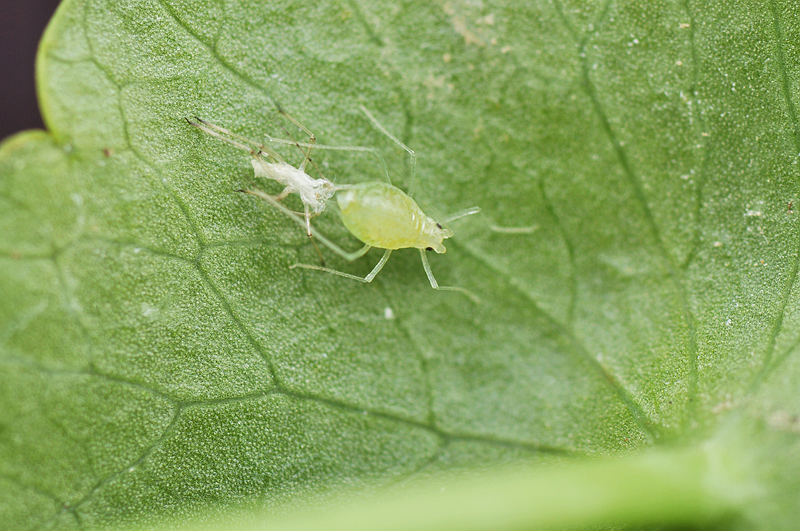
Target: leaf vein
<point>126,132</point>
<point>134,463</point>
<point>226,65</point>
<point>577,349</point>
<point>771,362</point>
<point>673,272</point>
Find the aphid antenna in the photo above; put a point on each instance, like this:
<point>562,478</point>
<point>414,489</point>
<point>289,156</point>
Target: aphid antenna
<point>462,214</point>
<point>514,230</point>
<point>410,151</point>
<point>492,226</point>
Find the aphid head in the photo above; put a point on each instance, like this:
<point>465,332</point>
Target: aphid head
<point>444,231</point>
<point>328,187</point>
<point>434,234</point>
<point>325,189</point>
<point>317,194</point>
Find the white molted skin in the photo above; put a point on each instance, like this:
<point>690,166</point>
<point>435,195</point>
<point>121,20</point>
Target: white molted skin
<point>314,193</point>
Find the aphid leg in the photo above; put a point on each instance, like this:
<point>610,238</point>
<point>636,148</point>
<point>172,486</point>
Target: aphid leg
<point>313,145</point>
<point>215,130</point>
<point>314,232</point>
<point>306,153</point>
<point>305,129</point>
<point>435,285</point>
<point>283,195</point>
<point>410,151</point>
<point>367,279</point>
<point>308,217</point>
<point>310,145</point>
<point>234,139</point>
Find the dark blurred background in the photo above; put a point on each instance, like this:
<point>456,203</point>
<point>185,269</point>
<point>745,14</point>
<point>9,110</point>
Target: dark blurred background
<point>21,25</point>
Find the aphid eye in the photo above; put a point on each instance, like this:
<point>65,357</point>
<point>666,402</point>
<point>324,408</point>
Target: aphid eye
<point>439,225</point>
<point>429,248</point>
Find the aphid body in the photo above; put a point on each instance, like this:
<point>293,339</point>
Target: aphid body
<point>383,216</point>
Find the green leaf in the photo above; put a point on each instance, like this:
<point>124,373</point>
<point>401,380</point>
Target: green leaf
<point>161,361</point>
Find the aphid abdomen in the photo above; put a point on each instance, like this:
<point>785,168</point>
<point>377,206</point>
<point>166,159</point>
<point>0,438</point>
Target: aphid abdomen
<point>381,215</point>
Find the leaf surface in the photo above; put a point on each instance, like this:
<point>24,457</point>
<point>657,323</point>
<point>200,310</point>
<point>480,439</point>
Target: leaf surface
<point>161,360</point>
